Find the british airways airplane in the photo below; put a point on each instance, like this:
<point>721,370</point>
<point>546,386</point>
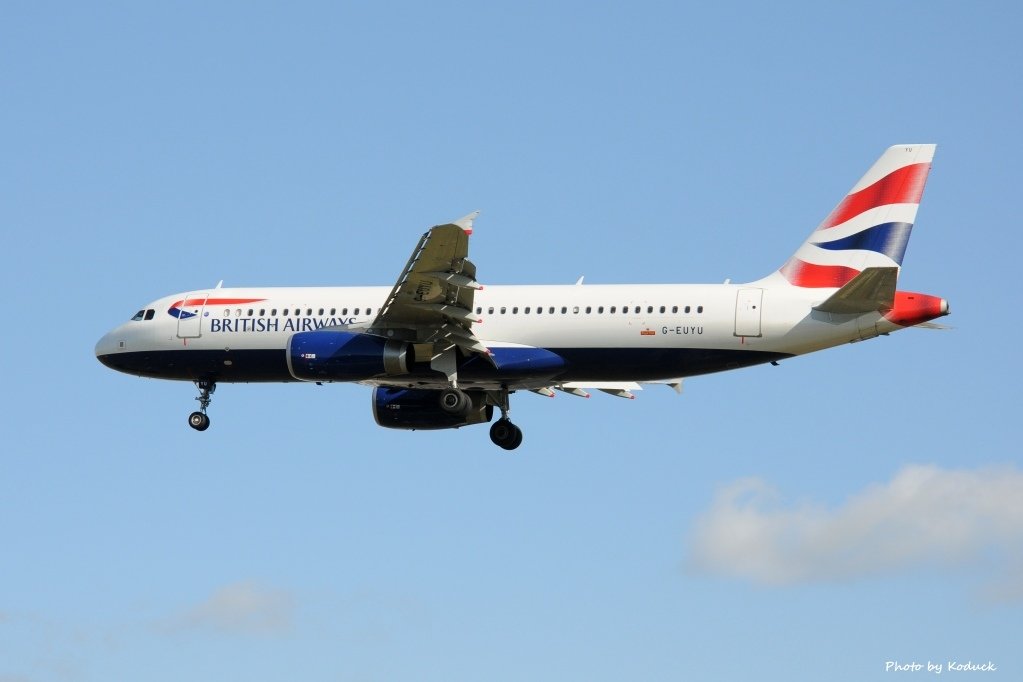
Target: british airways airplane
<point>441,351</point>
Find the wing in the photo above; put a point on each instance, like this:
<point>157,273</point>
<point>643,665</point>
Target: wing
<point>431,305</point>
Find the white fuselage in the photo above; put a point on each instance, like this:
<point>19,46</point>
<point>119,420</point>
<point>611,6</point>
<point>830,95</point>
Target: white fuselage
<point>760,322</point>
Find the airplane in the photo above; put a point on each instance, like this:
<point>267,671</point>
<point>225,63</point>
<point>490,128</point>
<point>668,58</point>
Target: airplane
<point>442,351</point>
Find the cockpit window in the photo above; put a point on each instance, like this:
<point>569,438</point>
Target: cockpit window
<point>150,313</point>
<point>138,316</point>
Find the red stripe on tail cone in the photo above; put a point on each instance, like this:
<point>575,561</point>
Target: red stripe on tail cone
<point>902,186</point>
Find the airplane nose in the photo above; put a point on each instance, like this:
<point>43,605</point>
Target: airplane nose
<point>107,346</point>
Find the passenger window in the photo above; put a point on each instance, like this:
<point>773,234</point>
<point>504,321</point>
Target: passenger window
<point>355,312</point>
<point>250,312</point>
<point>526,311</point>
<point>637,309</point>
<point>503,310</point>
<point>237,312</point>
<point>321,312</point>
<point>575,310</point>
<point>674,308</point>
<point>150,314</point>
<point>614,308</point>
<point>662,309</point>
<point>625,310</point>
<point>588,310</point>
<point>262,312</point>
<point>369,311</point>
<point>551,310</point>
<point>273,312</point>
<point>600,310</point>
<point>479,310</point>
<point>333,311</point>
<point>308,312</point>
<point>344,311</point>
<point>515,310</point>
<point>564,309</point>
<point>650,309</point>
<point>699,308</point>
<point>688,309</point>
<point>227,312</point>
<point>490,310</point>
<point>539,310</point>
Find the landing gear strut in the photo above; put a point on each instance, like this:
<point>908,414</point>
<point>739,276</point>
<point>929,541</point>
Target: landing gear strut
<point>198,420</point>
<point>503,432</point>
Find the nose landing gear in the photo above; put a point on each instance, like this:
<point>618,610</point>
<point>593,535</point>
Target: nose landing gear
<point>199,420</point>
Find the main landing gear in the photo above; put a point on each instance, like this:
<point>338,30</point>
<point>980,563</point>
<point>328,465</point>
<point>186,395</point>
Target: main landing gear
<point>198,420</point>
<point>503,433</point>
<point>457,402</point>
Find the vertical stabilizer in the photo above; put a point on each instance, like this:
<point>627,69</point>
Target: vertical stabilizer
<point>870,227</point>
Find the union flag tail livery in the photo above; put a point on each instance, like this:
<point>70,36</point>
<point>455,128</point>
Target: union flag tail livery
<point>870,226</point>
<point>441,351</point>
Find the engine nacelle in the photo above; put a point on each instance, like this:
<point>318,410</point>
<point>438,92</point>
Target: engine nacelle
<point>419,409</point>
<point>325,355</point>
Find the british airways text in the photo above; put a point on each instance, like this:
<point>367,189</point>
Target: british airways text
<point>273,324</point>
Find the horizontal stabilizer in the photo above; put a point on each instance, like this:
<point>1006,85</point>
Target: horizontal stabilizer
<point>673,384</point>
<point>870,291</point>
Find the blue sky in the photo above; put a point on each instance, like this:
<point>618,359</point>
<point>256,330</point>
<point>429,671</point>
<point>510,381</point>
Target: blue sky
<point>811,520</point>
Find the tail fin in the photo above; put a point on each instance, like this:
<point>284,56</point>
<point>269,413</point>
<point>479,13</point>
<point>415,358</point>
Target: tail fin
<point>871,225</point>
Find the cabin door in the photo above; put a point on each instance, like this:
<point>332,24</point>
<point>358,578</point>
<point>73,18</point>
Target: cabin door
<point>190,313</point>
<point>747,312</point>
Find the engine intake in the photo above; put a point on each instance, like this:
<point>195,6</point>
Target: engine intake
<point>344,356</point>
<point>419,409</point>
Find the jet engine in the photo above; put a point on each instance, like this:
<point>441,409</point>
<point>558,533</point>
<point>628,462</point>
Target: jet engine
<point>420,409</point>
<point>325,355</point>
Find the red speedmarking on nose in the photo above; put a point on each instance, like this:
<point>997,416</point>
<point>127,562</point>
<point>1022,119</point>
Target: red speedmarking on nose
<point>912,308</point>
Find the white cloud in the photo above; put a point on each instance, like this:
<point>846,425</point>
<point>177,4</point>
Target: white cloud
<point>925,514</point>
<point>239,608</point>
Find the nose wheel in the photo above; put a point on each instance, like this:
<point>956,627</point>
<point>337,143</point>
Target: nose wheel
<point>199,420</point>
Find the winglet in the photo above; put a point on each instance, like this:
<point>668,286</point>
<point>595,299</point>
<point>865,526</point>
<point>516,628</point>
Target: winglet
<point>465,222</point>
